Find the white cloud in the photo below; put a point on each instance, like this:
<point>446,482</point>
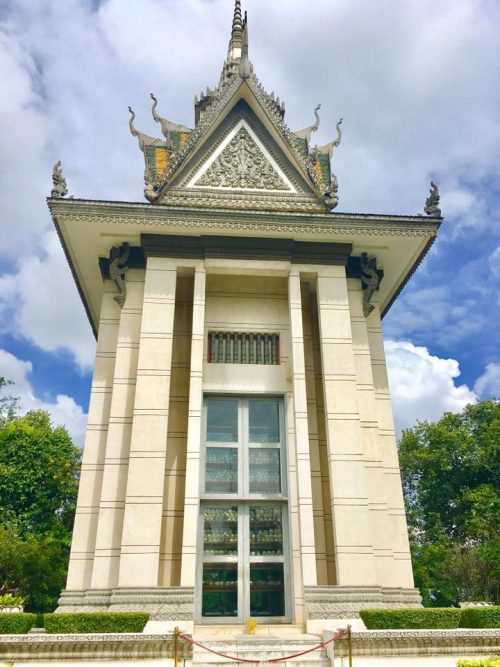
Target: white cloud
<point>422,385</point>
<point>488,384</point>
<point>40,302</point>
<point>416,83</point>
<point>65,411</point>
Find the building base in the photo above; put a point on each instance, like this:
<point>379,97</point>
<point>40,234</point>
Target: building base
<point>326,605</point>
<point>167,606</point>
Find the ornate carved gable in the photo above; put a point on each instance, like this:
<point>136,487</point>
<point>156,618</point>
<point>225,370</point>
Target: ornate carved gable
<point>242,162</point>
<point>241,155</point>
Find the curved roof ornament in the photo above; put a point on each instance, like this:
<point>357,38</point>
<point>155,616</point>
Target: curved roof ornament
<point>163,122</point>
<point>307,131</point>
<point>166,125</point>
<point>142,139</point>
<point>327,149</point>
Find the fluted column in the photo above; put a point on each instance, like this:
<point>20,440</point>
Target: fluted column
<point>305,506</point>
<point>140,546</point>
<point>191,499</point>
<point>352,530</point>
<point>87,510</point>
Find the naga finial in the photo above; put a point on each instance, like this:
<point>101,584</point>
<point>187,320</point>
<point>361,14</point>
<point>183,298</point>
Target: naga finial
<point>331,197</point>
<point>339,134</point>
<point>307,131</point>
<point>163,122</point>
<point>141,137</point>
<point>316,124</point>
<point>327,149</point>
<point>151,188</point>
<point>59,187</point>
<point>370,280</point>
<point>431,207</point>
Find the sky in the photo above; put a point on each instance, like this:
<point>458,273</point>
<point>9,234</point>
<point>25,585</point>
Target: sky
<point>417,84</point>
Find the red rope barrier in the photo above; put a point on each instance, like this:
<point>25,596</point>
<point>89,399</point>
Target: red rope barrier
<point>340,634</point>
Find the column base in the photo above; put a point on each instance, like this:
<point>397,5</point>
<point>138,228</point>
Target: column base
<point>174,603</point>
<point>326,605</point>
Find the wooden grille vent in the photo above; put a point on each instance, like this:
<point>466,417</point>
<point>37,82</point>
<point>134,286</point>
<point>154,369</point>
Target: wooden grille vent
<point>230,347</point>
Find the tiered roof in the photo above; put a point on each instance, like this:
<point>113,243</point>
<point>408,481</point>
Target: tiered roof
<point>240,144</point>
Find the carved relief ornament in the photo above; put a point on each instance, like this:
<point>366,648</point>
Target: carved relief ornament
<point>242,165</point>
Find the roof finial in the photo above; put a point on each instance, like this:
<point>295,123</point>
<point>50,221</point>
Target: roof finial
<point>237,29</point>
<point>244,62</point>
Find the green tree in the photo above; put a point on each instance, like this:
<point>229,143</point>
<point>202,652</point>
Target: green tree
<point>8,403</point>
<point>451,476</point>
<point>39,468</point>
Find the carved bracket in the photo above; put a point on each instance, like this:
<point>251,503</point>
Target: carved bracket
<point>370,280</point>
<point>118,260</point>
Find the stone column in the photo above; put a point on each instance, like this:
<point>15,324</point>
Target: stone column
<point>314,451</point>
<point>396,528</point>
<point>305,506</point>
<point>110,522</point>
<point>89,494</point>
<point>140,546</point>
<point>351,521</point>
<point>192,492</point>
<point>377,502</point>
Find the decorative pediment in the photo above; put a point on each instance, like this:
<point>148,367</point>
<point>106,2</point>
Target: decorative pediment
<point>242,162</point>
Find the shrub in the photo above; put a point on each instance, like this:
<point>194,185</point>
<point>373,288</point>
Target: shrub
<point>16,624</point>
<point>130,621</point>
<point>410,619</point>
<point>480,662</point>
<point>480,617</point>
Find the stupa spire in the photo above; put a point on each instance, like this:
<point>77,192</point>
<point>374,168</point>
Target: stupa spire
<point>237,51</point>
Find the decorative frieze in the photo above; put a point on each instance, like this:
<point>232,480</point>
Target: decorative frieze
<point>422,644</point>
<point>337,602</point>
<point>164,604</point>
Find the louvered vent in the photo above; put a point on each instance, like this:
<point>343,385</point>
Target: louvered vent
<point>230,347</point>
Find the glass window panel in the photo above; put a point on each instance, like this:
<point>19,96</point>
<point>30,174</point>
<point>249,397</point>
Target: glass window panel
<point>265,475</point>
<point>221,474</point>
<point>267,589</point>
<point>266,531</point>
<point>222,420</point>
<point>220,589</point>
<point>264,422</point>
<point>220,531</point>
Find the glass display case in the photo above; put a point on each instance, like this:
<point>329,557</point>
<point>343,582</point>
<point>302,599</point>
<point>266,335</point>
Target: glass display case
<point>220,531</point>
<point>267,589</point>
<point>220,589</point>
<point>265,470</point>
<point>266,530</point>
<point>221,471</point>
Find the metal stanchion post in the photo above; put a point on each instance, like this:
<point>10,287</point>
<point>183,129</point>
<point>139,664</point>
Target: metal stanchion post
<point>176,637</point>
<point>349,644</point>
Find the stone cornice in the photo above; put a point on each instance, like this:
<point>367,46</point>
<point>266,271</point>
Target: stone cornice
<point>345,224</point>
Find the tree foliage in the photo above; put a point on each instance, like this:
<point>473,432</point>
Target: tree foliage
<point>451,476</point>
<point>38,475</point>
<point>39,468</point>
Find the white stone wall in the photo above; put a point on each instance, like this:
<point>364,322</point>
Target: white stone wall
<point>139,497</point>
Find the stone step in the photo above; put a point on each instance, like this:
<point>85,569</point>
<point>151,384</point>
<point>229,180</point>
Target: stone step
<point>261,629</point>
<point>259,647</point>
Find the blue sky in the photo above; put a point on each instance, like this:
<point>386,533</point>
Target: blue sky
<point>415,82</point>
